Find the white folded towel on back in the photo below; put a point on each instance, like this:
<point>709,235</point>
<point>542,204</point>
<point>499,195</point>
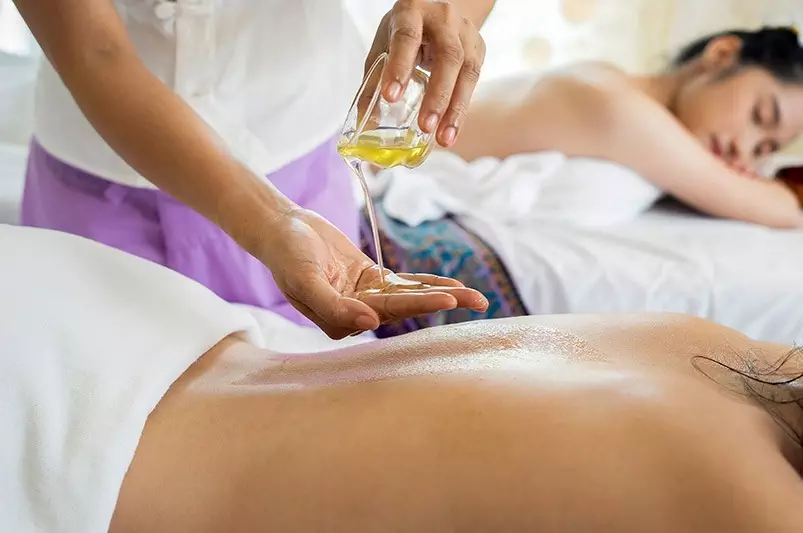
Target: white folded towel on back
<point>91,338</point>
<point>542,186</point>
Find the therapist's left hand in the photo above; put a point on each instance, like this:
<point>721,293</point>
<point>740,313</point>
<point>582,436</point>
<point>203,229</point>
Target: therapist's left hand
<point>328,279</point>
<point>435,35</point>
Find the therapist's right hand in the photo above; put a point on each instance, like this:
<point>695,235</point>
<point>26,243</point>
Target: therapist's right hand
<point>322,274</point>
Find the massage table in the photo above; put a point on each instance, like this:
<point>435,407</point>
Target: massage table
<point>668,259</point>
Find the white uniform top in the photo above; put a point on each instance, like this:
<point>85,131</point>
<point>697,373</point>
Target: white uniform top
<point>273,78</point>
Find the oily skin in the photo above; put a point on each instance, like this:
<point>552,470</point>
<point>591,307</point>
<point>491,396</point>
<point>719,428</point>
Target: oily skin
<point>549,424</point>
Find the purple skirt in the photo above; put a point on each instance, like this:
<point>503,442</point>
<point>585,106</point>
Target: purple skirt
<point>152,225</point>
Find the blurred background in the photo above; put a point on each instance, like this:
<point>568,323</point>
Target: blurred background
<point>533,34</point>
<point>635,34</point>
<point>639,35</point>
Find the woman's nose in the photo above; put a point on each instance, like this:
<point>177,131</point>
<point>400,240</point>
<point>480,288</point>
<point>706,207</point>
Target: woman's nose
<point>739,150</point>
<point>746,144</point>
<point>732,152</point>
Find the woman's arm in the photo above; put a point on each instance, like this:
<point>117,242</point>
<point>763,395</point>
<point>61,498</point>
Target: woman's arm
<point>148,125</point>
<point>632,130</point>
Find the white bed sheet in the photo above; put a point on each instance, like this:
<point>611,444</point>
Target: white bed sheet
<point>667,260</point>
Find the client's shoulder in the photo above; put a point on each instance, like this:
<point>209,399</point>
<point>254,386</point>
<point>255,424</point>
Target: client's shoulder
<point>594,69</point>
<point>599,92</point>
<point>592,76</point>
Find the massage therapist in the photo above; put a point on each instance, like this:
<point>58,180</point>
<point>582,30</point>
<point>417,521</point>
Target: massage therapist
<point>199,134</point>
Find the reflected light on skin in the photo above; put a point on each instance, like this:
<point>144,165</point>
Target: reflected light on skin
<point>468,347</point>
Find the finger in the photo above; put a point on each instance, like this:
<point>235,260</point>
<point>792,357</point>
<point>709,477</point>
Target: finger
<point>446,67</point>
<point>335,333</point>
<point>432,279</point>
<point>419,289</point>
<point>466,298</point>
<point>397,306</point>
<point>463,91</point>
<point>470,299</point>
<point>334,309</point>
<point>406,34</point>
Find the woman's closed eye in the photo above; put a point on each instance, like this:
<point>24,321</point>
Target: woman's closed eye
<point>767,116</point>
<point>767,113</point>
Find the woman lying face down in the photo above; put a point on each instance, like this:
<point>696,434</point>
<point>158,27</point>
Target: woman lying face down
<point>551,424</point>
<point>696,131</point>
<point>555,424</point>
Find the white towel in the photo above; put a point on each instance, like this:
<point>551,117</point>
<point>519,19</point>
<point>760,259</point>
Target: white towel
<point>90,340</point>
<point>770,166</point>
<point>543,186</point>
<point>281,335</point>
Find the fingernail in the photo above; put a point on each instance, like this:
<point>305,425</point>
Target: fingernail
<point>431,122</point>
<point>449,135</point>
<point>483,304</point>
<point>365,323</point>
<point>394,90</point>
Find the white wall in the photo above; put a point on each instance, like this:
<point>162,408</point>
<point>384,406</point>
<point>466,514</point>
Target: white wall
<point>14,35</point>
<point>523,35</point>
<point>533,34</point>
<point>692,18</point>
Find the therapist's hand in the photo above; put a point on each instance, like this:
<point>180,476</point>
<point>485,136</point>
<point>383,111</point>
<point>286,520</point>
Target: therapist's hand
<point>435,35</point>
<point>322,274</point>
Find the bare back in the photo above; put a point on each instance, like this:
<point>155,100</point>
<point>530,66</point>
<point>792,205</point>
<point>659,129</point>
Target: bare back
<point>596,111</point>
<point>540,112</point>
<point>554,424</point>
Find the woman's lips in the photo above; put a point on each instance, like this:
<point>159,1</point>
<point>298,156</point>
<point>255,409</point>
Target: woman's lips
<point>715,147</point>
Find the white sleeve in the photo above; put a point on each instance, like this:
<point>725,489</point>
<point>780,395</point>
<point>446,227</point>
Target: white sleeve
<point>90,340</point>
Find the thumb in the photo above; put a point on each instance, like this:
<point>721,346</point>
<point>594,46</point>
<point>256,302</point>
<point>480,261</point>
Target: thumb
<point>334,309</point>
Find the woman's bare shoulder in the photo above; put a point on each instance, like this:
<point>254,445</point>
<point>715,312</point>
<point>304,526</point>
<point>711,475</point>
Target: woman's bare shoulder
<point>592,77</point>
<point>593,71</point>
<point>571,108</point>
<point>526,87</point>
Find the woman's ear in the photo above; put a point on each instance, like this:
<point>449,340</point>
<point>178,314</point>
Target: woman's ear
<point>722,52</point>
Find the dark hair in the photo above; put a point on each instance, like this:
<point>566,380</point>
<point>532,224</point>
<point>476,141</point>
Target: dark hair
<point>771,385</point>
<point>777,50</point>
